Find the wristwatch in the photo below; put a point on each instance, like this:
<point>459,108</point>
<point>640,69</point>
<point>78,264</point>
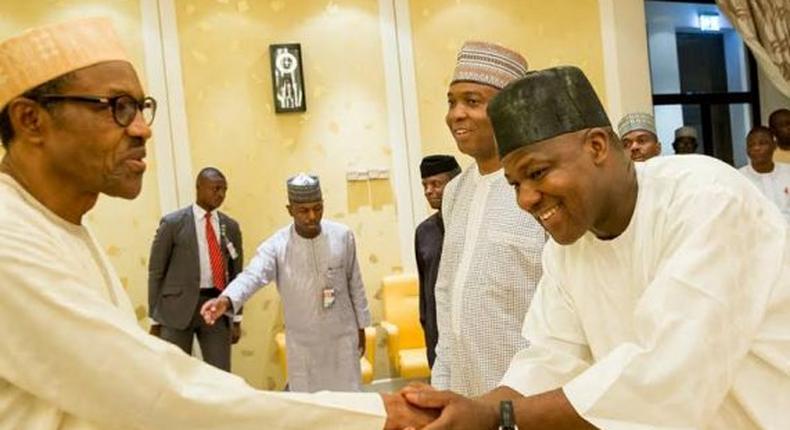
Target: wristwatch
<point>507,419</point>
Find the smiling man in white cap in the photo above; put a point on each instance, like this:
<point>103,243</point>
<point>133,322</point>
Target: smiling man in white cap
<point>74,120</point>
<point>490,262</point>
<point>314,263</point>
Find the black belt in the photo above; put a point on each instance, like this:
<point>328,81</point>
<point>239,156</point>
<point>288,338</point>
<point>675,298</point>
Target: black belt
<point>210,292</point>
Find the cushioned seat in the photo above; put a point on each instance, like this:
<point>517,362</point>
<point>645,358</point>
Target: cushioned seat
<point>405,339</point>
<point>413,363</point>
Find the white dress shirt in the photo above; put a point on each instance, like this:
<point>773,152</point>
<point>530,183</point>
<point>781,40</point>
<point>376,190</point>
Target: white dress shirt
<point>775,185</point>
<point>206,278</point>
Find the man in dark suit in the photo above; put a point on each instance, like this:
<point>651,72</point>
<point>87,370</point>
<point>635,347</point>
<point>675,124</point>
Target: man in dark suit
<point>436,172</point>
<point>196,252</point>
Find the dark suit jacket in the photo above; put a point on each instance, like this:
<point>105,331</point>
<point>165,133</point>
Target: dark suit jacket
<point>428,250</point>
<point>174,266</point>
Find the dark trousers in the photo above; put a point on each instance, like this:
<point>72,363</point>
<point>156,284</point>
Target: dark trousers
<point>214,340</point>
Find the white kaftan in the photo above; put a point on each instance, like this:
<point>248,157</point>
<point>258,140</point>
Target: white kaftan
<point>774,185</point>
<point>321,342</point>
<point>682,321</point>
<point>72,355</point>
<point>489,269</point>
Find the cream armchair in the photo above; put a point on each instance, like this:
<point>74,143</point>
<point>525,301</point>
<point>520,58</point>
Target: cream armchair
<point>405,339</point>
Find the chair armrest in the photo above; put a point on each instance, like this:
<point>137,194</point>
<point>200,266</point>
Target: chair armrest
<point>393,345</point>
<point>370,344</point>
<point>279,341</point>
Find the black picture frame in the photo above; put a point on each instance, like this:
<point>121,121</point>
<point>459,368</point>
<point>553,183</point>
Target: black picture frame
<point>287,77</point>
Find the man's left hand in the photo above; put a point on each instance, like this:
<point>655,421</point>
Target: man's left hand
<point>361,334</point>
<point>458,412</point>
<point>402,415</point>
<point>235,332</point>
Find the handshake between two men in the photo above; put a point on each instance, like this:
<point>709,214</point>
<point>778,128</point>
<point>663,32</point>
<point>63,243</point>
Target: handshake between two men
<point>421,406</point>
<point>418,405</point>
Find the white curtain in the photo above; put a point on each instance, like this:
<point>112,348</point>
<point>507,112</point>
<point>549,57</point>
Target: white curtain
<point>765,27</point>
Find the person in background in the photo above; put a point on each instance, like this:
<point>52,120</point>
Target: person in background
<point>197,250</point>
<point>491,254</point>
<point>685,140</point>
<point>665,296</point>
<point>314,263</point>
<point>779,123</point>
<point>74,120</point>
<point>436,172</point>
<point>638,133</point>
<point>770,177</point>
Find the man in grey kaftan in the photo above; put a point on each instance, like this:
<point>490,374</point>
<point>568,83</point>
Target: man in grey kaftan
<point>320,284</point>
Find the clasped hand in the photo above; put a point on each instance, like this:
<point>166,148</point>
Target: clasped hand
<point>421,406</point>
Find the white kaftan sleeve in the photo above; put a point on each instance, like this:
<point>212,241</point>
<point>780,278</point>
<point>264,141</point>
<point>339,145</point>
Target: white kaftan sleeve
<point>260,272</point>
<point>694,323</point>
<point>355,286</point>
<point>557,350</point>
<point>440,372</point>
<point>71,348</point>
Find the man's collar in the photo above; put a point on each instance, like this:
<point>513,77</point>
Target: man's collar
<point>199,212</point>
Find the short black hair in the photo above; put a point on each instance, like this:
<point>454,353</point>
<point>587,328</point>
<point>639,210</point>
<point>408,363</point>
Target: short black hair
<point>206,171</point>
<point>773,117</point>
<point>53,86</point>
<point>759,129</point>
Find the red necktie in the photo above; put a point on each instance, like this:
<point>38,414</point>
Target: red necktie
<point>215,256</point>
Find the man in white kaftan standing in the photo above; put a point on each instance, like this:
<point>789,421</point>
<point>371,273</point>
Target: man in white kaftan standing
<point>314,263</point>
<point>771,177</point>
<point>491,254</point>
<point>74,120</point>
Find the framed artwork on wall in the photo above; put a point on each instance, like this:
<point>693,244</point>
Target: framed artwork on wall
<point>287,77</point>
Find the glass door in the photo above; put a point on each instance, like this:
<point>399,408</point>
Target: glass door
<point>701,77</point>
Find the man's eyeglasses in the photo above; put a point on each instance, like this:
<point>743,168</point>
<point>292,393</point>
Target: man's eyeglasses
<point>124,107</point>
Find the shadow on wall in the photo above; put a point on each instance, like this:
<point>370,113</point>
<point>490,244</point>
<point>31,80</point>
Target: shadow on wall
<point>374,193</point>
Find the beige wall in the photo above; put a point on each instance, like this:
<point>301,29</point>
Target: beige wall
<point>626,65</point>
<point>227,86</point>
<point>771,98</point>
<point>123,227</point>
<point>547,33</point>
<point>223,47</point>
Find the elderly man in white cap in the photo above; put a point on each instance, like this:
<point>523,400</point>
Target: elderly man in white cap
<point>490,262</point>
<point>314,263</point>
<point>685,140</point>
<point>638,132</point>
<point>74,120</point>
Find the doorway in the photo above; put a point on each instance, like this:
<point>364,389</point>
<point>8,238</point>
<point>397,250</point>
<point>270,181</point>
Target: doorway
<point>703,78</point>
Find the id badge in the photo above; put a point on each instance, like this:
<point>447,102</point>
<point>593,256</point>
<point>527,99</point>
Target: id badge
<point>232,250</point>
<point>329,297</point>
